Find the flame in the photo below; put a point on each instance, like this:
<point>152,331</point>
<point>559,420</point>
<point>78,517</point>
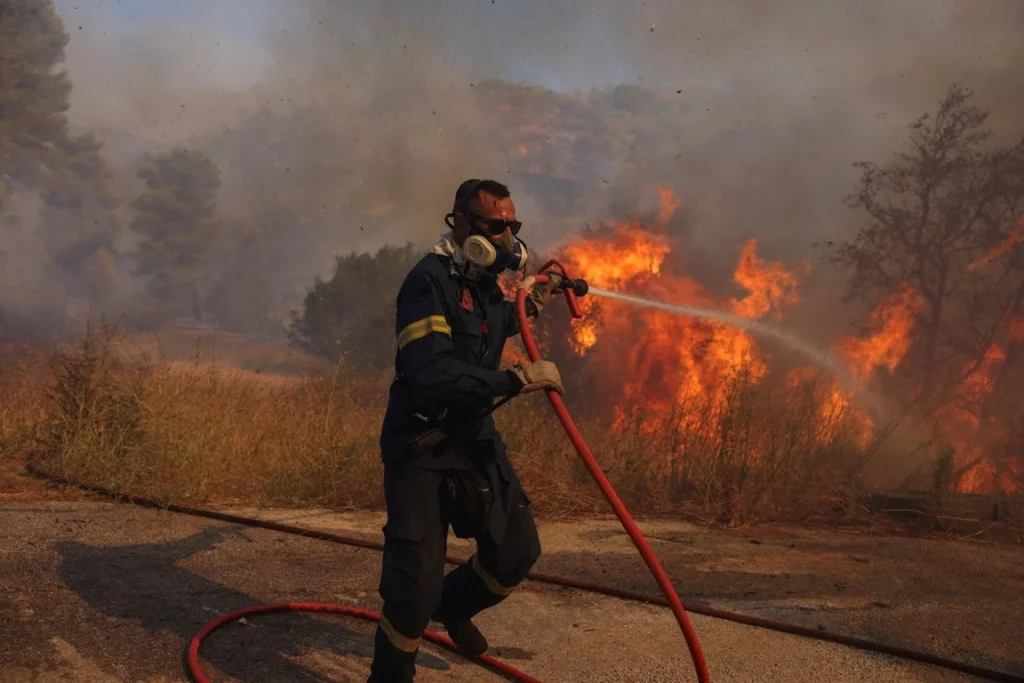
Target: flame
<point>839,410</point>
<point>996,252</point>
<point>667,204</point>
<point>835,408</point>
<point>665,362</point>
<point>771,285</point>
<point>959,424</point>
<point>1016,328</point>
<point>893,320</point>
<point>630,255</point>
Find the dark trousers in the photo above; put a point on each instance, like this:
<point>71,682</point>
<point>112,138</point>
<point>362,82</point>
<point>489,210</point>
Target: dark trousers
<point>413,584</point>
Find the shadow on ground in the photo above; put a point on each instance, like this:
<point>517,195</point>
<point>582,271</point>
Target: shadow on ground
<point>144,584</point>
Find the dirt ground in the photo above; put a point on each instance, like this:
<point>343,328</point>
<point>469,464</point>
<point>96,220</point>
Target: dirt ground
<point>97,592</point>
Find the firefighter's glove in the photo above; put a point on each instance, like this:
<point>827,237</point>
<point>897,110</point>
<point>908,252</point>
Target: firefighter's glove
<point>541,292</point>
<point>537,376</point>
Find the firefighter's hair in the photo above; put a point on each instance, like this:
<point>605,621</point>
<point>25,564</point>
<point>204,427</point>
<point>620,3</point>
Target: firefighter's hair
<point>471,189</point>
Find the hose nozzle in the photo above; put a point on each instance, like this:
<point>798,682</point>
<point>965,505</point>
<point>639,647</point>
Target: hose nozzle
<point>578,286</point>
<point>572,288</point>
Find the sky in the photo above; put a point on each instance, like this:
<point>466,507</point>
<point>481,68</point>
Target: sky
<point>894,57</point>
<point>241,27</point>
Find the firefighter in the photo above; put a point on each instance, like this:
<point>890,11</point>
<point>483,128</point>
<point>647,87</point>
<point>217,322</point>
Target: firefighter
<point>445,463</point>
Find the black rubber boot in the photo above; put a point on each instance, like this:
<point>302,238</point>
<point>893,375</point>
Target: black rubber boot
<point>464,634</point>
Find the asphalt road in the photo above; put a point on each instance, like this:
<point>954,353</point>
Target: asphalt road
<point>97,592</point>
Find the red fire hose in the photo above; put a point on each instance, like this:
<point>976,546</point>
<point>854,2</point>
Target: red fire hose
<point>602,481</point>
<point>196,672</point>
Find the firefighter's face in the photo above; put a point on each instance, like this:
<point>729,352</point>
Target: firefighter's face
<point>486,214</point>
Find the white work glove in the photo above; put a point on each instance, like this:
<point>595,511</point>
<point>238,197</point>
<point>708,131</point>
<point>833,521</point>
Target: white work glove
<point>540,294</point>
<point>537,376</point>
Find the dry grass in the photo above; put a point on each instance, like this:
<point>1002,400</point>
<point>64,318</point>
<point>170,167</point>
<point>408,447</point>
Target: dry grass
<point>195,432</point>
<point>23,407</point>
<point>113,414</point>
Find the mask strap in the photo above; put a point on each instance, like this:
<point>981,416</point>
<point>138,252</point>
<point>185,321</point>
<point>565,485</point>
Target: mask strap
<point>467,197</point>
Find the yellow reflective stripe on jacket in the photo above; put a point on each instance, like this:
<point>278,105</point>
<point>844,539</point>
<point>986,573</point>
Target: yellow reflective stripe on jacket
<point>401,642</point>
<point>421,328</point>
<point>492,583</point>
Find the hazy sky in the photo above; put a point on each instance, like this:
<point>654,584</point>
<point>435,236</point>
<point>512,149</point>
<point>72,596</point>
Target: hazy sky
<point>878,54</point>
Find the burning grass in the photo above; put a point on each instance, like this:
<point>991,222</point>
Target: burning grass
<point>196,433</point>
<point>685,415</point>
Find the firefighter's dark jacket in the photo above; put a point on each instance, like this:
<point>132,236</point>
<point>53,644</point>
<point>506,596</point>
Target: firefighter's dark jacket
<point>451,333</point>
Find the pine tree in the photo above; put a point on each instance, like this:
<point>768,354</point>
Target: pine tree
<point>34,96</point>
<point>77,221</point>
<point>177,222</point>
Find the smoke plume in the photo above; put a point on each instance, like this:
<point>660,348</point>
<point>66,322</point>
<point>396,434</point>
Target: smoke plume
<point>356,121</point>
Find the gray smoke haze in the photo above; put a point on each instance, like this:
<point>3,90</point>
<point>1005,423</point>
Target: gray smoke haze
<point>778,98</point>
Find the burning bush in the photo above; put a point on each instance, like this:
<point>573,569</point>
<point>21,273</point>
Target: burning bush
<point>687,382</point>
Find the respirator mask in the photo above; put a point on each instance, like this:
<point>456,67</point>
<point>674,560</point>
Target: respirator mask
<point>493,246</point>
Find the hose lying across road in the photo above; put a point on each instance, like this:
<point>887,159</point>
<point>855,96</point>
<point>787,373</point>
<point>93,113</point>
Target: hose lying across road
<point>635,596</point>
<point>193,647</point>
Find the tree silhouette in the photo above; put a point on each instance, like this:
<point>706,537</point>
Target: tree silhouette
<point>33,94</point>
<point>177,222</point>
<point>352,315</point>
<point>936,216</point>
<point>77,221</point>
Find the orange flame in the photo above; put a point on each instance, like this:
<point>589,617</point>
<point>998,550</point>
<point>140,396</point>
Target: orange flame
<point>630,256</point>
<point>996,252</point>
<point>894,320</point>
<point>667,204</point>
<point>959,423</point>
<point>667,360</point>
<point>770,285</point>
<point>835,408</point>
<point>1016,328</point>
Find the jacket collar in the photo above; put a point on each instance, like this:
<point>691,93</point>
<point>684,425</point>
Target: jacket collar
<point>458,267</point>
<point>447,247</point>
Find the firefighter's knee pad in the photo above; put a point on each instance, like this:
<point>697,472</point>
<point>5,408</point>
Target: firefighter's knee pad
<point>411,581</point>
<point>520,561</point>
<point>507,565</point>
<point>522,547</point>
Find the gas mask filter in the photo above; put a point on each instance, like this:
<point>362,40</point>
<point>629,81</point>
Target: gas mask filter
<point>508,253</point>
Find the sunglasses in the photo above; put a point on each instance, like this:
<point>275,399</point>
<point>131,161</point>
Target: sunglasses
<point>495,227</point>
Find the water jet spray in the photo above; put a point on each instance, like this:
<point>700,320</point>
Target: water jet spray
<point>820,358</point>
